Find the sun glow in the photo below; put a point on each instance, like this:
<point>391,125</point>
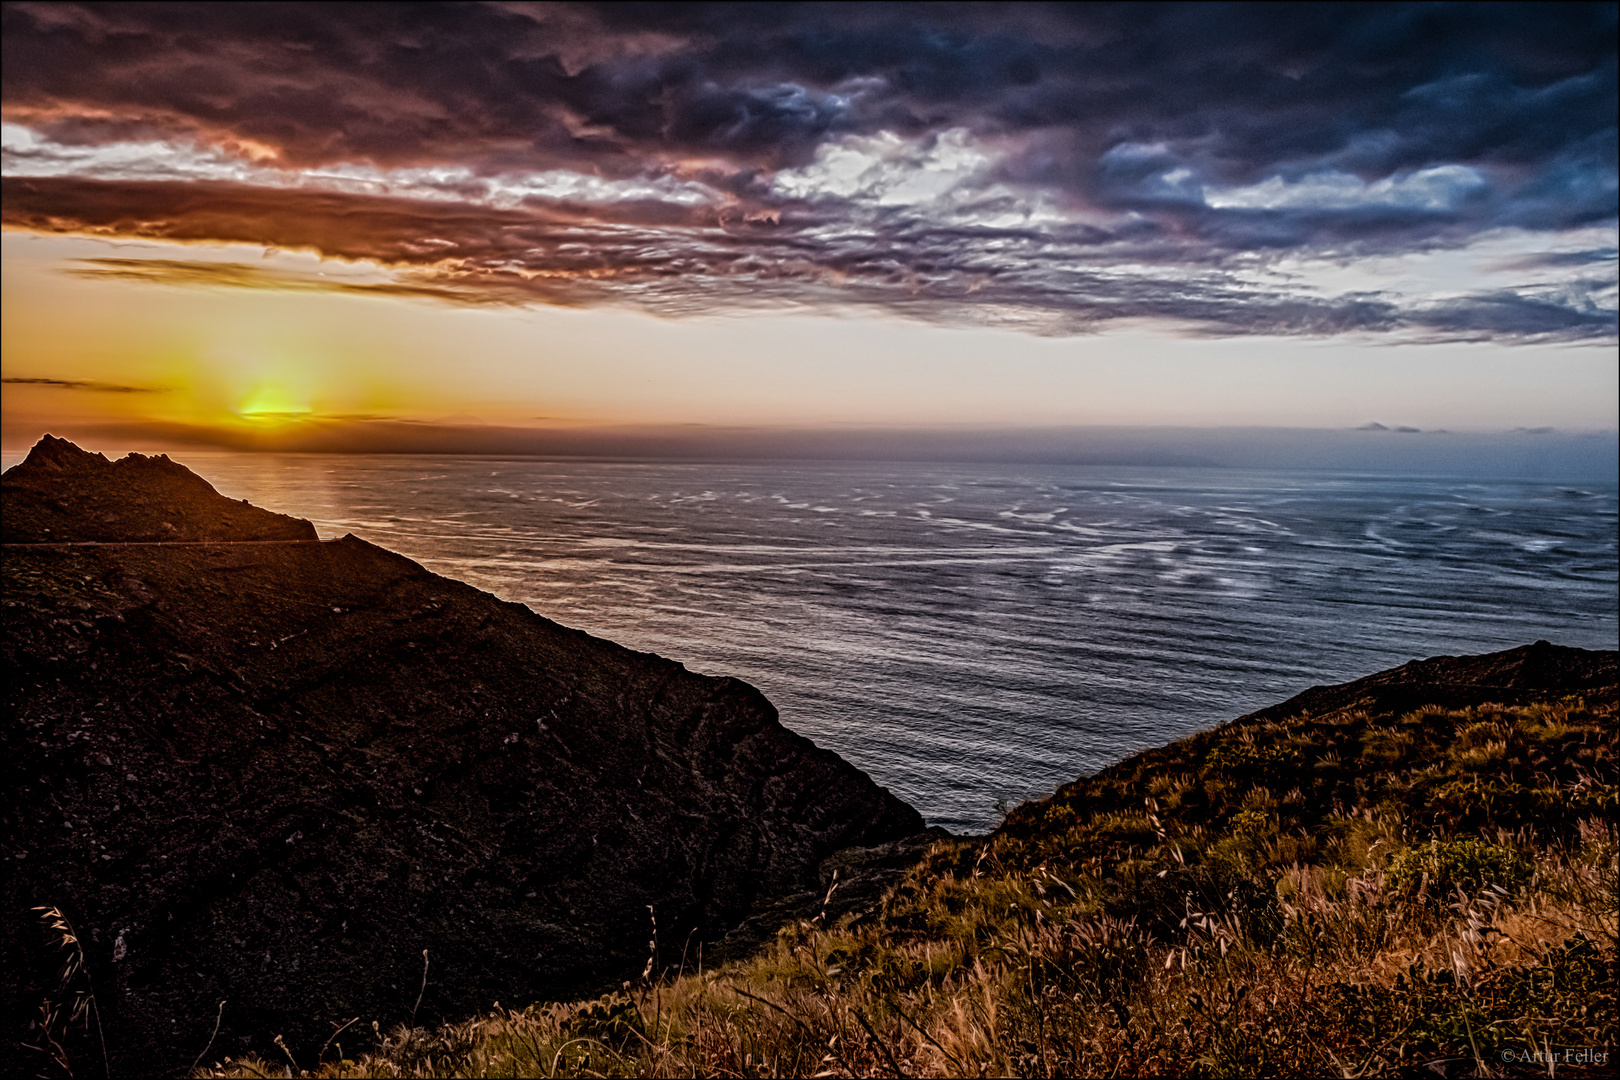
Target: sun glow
<point>270,403</point>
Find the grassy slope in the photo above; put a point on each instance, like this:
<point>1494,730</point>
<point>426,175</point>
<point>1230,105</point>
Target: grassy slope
<point>1348,893</point>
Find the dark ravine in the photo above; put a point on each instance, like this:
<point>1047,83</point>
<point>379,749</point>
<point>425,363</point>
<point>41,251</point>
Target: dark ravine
<point>258,767</point>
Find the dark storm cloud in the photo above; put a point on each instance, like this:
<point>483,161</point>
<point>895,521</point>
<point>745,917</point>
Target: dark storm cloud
<point>1187,138</point>
<point>1051,280</point>
<point>1562,258</point>
<point>1511,314</point>
<point>1243,90</point>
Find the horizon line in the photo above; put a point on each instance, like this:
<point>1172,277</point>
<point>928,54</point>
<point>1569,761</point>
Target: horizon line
<point>1524,453</point>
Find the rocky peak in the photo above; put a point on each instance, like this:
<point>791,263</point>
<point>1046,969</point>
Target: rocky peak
<point>62,494</point>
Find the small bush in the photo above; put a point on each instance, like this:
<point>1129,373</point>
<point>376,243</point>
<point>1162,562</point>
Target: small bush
<point>1441,867</point>
<point>1385,746</point>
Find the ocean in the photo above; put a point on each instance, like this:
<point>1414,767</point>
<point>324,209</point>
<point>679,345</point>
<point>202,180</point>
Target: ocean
<point>976,635</point>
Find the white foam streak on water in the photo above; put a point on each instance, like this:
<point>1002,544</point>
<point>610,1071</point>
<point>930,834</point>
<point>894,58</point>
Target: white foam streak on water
<point>969,634</point>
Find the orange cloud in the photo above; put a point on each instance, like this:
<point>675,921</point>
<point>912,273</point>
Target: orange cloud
<point>236,275</point>
<point>463,253</point>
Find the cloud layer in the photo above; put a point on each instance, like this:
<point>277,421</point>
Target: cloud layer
<point>1051,167</point>
<point>86,385</point>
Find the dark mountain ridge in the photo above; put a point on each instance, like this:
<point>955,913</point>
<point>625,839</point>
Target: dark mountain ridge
<point>1511,677</point>
<point>258,767</point>
<point>1283,745</point>
<point>62,494</point>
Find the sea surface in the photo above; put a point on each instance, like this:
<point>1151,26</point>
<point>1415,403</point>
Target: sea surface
<point>976,635</point>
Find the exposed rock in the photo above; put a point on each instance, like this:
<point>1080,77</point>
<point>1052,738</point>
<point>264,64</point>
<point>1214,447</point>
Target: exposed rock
<point>274,773</point>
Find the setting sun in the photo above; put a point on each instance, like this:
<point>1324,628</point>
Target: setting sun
<point>273,403</point>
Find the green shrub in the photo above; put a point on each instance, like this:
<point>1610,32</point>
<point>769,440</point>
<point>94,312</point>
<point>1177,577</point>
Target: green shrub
<point>1469,865</point>
<point>1386,746</point>
<point>1058,817</point>
<point>1256,821</point>
<point>1245,756</point>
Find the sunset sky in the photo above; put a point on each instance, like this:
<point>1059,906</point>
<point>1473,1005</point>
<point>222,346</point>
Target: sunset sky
<point>251,221</point>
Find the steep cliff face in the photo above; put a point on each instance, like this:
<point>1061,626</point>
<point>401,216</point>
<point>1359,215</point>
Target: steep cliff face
<point>275,772</point>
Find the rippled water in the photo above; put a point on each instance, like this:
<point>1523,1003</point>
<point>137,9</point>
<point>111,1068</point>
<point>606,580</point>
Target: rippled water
<point>979,634</point>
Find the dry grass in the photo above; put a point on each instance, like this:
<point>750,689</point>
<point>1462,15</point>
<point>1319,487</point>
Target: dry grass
<point>1184,919</point>
<point>75,990</point>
